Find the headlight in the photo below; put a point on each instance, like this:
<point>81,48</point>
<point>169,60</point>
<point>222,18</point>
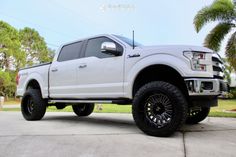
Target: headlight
<point>195,59</point>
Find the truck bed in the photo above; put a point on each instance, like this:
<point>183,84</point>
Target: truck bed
<point>37,65</point>
<point>38,72</point>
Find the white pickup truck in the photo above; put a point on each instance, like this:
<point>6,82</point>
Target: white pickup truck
<point>166,85</point>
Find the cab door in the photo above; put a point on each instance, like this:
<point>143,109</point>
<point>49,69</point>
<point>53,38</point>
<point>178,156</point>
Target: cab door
<point>63,72</point>
<point>100,75</point>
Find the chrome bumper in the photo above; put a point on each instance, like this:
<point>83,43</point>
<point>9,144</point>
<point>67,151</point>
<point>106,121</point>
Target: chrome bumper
<point>201,87</point>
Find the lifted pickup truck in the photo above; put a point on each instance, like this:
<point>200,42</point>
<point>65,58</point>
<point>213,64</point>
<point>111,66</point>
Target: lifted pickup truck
<point>166,85</point>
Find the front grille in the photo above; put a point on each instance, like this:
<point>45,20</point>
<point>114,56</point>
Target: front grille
<point>218,67</point>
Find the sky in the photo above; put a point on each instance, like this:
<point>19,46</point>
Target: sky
<point>155,22</point>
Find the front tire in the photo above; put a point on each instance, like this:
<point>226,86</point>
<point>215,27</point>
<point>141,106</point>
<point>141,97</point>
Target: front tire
<point>33,106</point>
<point>197,115</point>
<point>159,108</point>
<point>83,109</point>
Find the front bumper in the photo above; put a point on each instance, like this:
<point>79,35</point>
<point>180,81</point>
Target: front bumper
<point>205,87</point>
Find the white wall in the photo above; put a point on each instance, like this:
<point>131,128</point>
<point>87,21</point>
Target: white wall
<point>233,80</point>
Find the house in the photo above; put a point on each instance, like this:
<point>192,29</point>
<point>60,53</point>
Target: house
<point>233,80</point>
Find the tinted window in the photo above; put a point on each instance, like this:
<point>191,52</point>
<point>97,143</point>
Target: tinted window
<point>69,52</point>
<point>94,48</point>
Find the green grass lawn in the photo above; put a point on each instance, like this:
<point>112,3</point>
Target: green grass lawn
<point>12,101</point>
<point>224,105</point>
<point>218,111</point>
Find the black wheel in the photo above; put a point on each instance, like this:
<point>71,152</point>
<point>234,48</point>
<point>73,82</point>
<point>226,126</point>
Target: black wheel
<point>83,109</point>
<point>33,106</point>
<point>159,108</point>
<point>60,106</point>
<point>196,115</point>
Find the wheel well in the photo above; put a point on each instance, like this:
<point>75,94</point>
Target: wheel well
<point>160,73</point>
<point>33,84</point>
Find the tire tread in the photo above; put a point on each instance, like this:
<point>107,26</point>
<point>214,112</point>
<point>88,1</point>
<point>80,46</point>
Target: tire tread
<point>168,87</point>
<point>40,105</point>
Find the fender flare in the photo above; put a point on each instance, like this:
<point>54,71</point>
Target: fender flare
<point>35,76</point>
<point>156,59</point>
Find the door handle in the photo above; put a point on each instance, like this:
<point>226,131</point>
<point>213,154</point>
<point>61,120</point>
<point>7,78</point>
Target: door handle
<point>83,66</point>
<point>54,70</point>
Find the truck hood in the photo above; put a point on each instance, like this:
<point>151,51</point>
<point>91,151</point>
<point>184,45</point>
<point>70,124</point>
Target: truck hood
<point>175,48</point>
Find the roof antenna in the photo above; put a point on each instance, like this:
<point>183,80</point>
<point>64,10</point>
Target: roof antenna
<point>133,39</point>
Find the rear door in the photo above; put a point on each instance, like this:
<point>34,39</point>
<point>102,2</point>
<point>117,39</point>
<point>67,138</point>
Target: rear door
<point>63,71</point>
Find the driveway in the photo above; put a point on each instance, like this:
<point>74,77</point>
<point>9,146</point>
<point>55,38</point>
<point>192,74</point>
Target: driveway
<point>103,135</point>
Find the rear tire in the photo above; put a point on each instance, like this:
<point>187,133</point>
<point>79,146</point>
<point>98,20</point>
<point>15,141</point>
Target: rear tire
<point>197,115</point>
<point>33,106</point>
<point>159,108</point>
<point>60,106</point>
<point>83,109</point>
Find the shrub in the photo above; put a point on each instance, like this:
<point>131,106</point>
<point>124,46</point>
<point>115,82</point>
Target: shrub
<point>233,92</point>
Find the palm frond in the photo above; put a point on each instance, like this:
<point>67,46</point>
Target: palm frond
<point>231,50</point>
<point>222,10</point>
<point>214,38</point>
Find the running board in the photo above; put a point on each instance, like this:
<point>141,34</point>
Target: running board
<point>81,101</point>
<point>99,101</point>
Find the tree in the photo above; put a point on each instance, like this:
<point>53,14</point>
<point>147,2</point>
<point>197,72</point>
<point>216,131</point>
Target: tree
<point>5,81</point>
<point>16,49</point>
<point>10,54</point>
<point>227,71</point>
<point>223,12</point>
<point>34,46</point>
<point>51,54</point>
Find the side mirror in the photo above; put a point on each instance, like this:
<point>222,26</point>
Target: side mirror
<point>110,48</point>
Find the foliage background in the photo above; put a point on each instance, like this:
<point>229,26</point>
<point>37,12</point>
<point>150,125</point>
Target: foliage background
<point>222,12</point>
<point>19,48</point>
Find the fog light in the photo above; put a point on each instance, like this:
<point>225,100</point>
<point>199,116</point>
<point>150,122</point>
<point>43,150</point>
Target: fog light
<point>206,85</point>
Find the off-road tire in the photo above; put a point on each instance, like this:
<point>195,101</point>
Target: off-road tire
<point>178,105</point>
<point>60,106</point>
<point>33,106</point>
<point>196,116</point>
<point>84,109</point>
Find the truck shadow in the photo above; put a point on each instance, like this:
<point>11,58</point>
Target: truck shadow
<point>128,123</point>
<point>93,120</point>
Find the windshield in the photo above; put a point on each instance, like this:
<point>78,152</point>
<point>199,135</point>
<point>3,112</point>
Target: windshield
<point>128,41</point>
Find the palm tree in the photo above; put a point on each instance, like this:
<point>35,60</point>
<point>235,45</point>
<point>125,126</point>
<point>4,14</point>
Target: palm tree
<point>223,12</point>
<point>227,71</point>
